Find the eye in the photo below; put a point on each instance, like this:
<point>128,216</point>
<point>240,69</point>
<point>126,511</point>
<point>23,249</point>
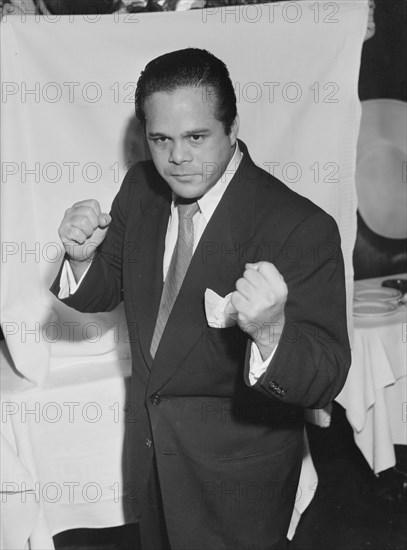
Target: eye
<point>159,140</point>
<point>196,138</point>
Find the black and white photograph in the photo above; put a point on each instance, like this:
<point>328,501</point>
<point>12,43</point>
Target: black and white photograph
<point>203,290</point>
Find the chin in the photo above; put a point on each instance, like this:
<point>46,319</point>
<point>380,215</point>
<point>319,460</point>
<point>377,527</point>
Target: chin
<point>186,191</point>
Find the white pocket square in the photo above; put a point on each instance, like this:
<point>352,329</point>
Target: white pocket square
<point>216,309</point>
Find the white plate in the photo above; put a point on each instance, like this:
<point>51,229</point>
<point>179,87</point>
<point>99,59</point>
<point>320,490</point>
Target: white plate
<point>379,294</point>
<point>373,309</point>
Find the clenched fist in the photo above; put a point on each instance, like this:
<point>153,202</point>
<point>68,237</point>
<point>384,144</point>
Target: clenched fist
<point>82,230</point>
<point>258,301</point>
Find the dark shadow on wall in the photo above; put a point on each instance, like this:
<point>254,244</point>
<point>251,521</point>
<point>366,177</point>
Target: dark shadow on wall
<point>382,75</point>
<point>135,146</point>
<point>375,256</point>
<point>384,56</point>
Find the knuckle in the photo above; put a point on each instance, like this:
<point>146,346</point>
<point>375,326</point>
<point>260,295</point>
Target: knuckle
<point>239,283</point>
<point>77,233</point>
<point>78,204</point>
<point>93,203</point>
<point>249,272</point>
<point>264,266</point>
<point>81,222</point>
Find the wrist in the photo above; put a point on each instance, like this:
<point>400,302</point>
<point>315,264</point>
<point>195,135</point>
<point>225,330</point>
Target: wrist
<point>265,350</point>
<point>74,261</point>
<point>79,267</point>
<point>267,339</point>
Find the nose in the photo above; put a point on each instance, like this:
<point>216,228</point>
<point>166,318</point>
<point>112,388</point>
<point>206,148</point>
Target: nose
<point>179,153</point>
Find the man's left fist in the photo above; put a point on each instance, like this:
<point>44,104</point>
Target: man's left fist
<point>259,301</point>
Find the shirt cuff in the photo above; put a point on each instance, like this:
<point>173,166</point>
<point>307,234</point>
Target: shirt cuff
<point>257,365</point>
<point>67,283</point>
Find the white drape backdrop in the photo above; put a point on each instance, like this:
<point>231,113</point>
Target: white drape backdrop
<point>66,109</point>
<point>67,100</point>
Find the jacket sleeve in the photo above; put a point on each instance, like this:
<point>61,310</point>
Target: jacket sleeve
<point>101,288</point>
<point>310,364</point>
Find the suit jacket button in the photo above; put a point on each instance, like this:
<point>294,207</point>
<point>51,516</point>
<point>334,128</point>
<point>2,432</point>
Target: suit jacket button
<point>148,443</point>
<point>155,400</point>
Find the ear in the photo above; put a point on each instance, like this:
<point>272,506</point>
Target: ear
<point>234,131</point>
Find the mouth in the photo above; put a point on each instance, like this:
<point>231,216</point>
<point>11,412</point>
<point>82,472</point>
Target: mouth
<point>183,177</point>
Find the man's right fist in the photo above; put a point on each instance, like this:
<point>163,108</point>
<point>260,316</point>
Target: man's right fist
<point>83,229</point>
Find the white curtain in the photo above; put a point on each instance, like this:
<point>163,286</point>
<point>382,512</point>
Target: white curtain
<point>67,102</point>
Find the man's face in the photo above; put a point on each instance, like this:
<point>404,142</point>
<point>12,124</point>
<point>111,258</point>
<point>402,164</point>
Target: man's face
<point>189,146</point>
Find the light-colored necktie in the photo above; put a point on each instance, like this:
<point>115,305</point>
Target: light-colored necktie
<point>180,261</point>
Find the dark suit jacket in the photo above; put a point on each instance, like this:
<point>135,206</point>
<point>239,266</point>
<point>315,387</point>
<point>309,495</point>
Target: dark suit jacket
<point>228,455</point>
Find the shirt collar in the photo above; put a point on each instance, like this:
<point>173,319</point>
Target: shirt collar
<point>208,202</point>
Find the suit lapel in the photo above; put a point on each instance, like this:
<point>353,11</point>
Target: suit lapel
<point>216,264</point>
<point>146,273</point>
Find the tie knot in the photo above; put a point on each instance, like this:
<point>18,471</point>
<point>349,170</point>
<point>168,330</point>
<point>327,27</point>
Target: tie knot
<point>187,210</point>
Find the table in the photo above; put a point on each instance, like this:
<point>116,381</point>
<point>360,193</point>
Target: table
<point>68,436</point>
<point>375,392</point>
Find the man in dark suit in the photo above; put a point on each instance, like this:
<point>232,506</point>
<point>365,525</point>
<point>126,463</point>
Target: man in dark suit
<point>219,383</point>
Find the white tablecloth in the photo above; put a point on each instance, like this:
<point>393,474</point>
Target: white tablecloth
<point>69,436</point>
<point>375,395</point>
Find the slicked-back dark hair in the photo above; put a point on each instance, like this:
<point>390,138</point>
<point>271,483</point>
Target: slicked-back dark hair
<point>189,67</point>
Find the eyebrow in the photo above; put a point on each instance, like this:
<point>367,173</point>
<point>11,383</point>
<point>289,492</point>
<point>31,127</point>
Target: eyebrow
<point>197,131</point>
<point>156,134</point>
<point>185,134</point>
